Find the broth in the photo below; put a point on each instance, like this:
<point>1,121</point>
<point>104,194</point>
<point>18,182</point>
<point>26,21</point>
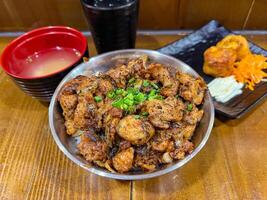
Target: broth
<point>48,61</point>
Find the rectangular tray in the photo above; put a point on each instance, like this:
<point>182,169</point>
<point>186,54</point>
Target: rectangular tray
<point>190,50</point>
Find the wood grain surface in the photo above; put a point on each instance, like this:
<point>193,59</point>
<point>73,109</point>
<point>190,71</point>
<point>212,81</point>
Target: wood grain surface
<point>23,15</point>
<point>257,15</point>
<point>195,13</point>
<point>233,164</point>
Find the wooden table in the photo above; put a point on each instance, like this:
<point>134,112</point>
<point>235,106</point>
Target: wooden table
<point>233,164</point>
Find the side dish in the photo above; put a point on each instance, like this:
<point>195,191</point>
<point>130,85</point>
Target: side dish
<point>231,58</point>
<point>138,116</point>
<point>224,89</point>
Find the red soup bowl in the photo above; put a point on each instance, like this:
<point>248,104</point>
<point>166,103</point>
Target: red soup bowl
<point>38,60</point>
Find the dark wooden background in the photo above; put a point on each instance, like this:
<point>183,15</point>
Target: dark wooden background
<point>21,15</point>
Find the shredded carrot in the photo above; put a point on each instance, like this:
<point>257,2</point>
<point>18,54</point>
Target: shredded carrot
<point>250,70</point>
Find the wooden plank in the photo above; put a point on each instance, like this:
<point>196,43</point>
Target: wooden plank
<point>258,17</point>
<point>5,18</point>
<point>158,14</point>
<point>154,14</point>
<point>231,14</point>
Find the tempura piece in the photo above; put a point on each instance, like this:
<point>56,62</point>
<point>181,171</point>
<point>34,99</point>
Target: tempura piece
<point>237,43</point>
<point>219,61</point>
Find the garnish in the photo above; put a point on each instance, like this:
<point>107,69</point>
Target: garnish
<point>128,99</point>
<point>110,94</point>
<point>145,114</point>
<point>98,98</point>
<point>146,83</point>
<point>154,85</point>
<point>131,80</point>
<point>137,116</point>
<point>250,70</point>
<point>190,107</point>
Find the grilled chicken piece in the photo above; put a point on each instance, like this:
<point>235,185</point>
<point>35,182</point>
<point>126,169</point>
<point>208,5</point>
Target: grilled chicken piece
<point>138,66</point>
<point>162,141</point>
<point>123,160</point>
<point>124,144</point>
<point>123,72</point>
<point>171,90</point>
<point>162,112</point>
<point>187,130</point>
<point>105,84</point>
<point>162,74</point>
<point>110,130</point>
<point>85,115</point>
<point>68,104</point>
<point>136,131</point>
<point>93,148</point>
<point>193,116</point>
<point>71,86</point>
<point>70,127</point>
<point>185,147</point>
<point>88,85</point>
<point>147,160</point>
<point>109,119</point>
<point>191,89</point>
<point>120,74</point>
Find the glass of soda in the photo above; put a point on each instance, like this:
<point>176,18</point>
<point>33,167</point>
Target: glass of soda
<point>112,23</point>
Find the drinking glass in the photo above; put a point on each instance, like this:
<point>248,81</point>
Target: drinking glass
<point>112,23</point>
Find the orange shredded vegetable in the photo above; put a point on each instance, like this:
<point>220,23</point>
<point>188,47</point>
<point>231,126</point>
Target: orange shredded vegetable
<point>250,70</point>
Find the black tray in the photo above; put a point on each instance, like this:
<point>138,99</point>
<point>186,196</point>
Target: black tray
<point>190,49</point>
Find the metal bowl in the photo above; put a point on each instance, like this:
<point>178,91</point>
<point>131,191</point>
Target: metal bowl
<point>102,63</point>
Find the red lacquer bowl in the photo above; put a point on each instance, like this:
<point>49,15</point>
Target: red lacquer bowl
<point>33,59</point>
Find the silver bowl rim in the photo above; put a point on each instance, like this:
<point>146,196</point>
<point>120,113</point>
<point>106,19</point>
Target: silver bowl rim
<point>126,176</point>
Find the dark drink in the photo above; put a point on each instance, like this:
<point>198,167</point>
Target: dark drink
<point>112,23</point>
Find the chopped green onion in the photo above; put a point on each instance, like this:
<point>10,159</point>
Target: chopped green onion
<point>151,98</point>
<point>98,98</point>
<point>146,83</point>
<point>145,113</point>
<point>189,107</point>
<point>137,116</point>
<point>119,91</point>
<point>111,94</point>
<point>131,109</point>
<point>124,107</point>
<point>138,83</point>
<point>127,99</point>
<point>154,85</point>
<point>124,93</point>
<point>130,96</point>
<point>158,96</point>
<point>152,93</point>
<point>128,102</point>
<point>133,91</point>
<point>131,80</point>
<point>140,97</point>
<point>117,103</point>
<point>168,86</point>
